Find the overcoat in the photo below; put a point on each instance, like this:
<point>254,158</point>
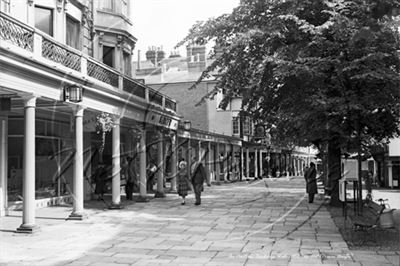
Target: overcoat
<point>311,179</point>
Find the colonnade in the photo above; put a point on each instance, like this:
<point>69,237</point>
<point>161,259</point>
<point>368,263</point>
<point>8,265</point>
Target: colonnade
<point>29,161</point>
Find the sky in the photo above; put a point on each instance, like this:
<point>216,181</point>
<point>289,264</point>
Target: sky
<point>166,22</point>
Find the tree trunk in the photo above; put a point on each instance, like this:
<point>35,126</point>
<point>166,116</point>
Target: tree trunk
<point>334,171</point>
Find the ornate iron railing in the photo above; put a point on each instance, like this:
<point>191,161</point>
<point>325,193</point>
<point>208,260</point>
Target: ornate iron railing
<point>13,32</point>
<point>134,88</point>
<point>21,35</point>
<point>59,54</point>
<point>101,73</point>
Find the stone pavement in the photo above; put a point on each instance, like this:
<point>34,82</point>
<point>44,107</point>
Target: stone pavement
<point>265,222</point>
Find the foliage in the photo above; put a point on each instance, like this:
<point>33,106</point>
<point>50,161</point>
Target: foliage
<point>104,123</point>
<point>313,70</point>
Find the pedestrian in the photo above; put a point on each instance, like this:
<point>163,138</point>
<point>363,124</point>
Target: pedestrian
<point>368,185</point>
<point>183,180</point>
<point>197,178</point>
<point>311,182</point>
<point>100,177</point>
<point>131,178</point>
<point>151,173</point>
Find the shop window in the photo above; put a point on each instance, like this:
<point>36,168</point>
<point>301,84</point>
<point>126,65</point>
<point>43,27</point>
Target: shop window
<point>73,33</point>
<point>108,56</point>
<point>44,19</point>
<point>5,6</point>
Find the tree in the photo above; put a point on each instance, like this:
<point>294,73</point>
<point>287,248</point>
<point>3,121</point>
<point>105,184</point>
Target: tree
<point>322,72</point>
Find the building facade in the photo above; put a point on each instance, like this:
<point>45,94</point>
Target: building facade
<point>254,156</point>
<point>68,103</point>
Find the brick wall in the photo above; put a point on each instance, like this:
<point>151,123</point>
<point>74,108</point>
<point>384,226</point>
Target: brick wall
<point>187,100</point>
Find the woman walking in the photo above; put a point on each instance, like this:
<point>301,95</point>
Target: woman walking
<point>183,180</point>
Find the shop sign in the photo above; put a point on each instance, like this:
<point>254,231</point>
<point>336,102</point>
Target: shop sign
<point>162,120</point>
<point>89,122</point>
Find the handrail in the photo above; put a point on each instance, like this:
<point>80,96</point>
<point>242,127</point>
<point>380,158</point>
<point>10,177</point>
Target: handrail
<point>23,36</point>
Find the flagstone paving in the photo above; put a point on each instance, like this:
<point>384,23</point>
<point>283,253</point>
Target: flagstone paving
<point>265,222</point>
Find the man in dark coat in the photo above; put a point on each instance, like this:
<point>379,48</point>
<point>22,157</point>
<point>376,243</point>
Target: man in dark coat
<point>311,181</point>
<point>198,177</point>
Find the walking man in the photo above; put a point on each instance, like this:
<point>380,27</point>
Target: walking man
<point>197,178</point>
<point>311,181</point>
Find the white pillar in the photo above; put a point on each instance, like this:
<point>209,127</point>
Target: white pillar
<point>189,158</point>
<point>247,163</point>
<point>160,163</point>
<point>174,162</point>
<point>255,164</point>
<point>241,163</point>
<point>3,164</point>
<point>390,174</point>
<point>260,160</point>
<point>28,184</point>
<point>116,165</point>
<point>31,14</point>
<point>217,161</point>
<point>226,162</point>
<point>143,176</point>
<point>208,163</point>
<point>77,210</point>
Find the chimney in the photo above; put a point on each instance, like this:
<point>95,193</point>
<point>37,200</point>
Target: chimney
<point>196,57</point>
<point>151,55</point>
<point>138,60</point>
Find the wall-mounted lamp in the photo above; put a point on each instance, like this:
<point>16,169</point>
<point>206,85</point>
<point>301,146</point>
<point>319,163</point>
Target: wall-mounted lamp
<point>187,125</point>
<point>73,94</point>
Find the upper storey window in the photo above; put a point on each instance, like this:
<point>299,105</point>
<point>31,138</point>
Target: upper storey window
<point>108,56</point>
<point>73,33</point>
<point>5,6</point>
<point>44,19</point>
<point>115,6</point>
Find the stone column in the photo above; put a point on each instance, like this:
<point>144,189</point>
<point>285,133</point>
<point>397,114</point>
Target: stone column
<point>247,163</point>
<point>208,163</point>
<point>390,174</point>
<point>3,164</point>
<point>241,163</point>
<point>160,166</point>
<point>260,160</point>
<point>31,13</point>
<point>142,167</point>
<point>255,164</point>
<point>225,163</point>
<point>28,182</point>
<point>116,166</point>
<point>189,158</point>
<point>174,162</point>
<point>77,210</point>
<point>218,166</point>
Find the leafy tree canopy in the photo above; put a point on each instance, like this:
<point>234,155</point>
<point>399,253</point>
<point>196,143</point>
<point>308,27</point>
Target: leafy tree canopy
<point>312,70</point>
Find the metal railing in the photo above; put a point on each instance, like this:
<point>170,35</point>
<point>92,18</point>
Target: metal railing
<point>19,34</point>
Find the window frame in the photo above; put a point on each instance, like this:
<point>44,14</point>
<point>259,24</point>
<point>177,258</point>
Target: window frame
<point>112,55</point>
<point>5,6</point>
<point>51,24</point>
<point>236,125</point>
<point>78,24</point>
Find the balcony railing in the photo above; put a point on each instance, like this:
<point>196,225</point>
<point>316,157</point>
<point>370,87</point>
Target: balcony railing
<point>16,33</point>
